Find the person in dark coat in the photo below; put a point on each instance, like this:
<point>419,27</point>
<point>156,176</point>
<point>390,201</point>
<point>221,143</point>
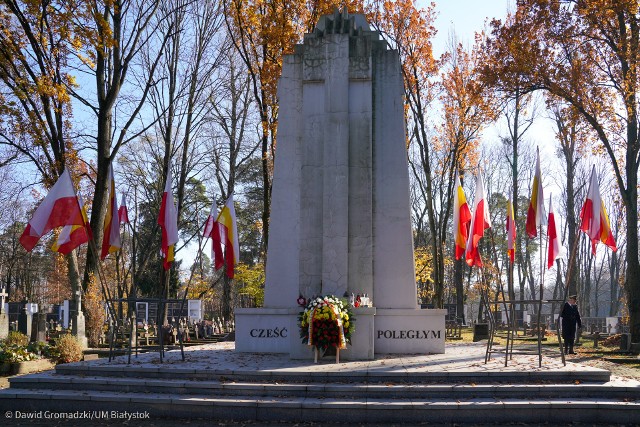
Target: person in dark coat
<point>570,318</point>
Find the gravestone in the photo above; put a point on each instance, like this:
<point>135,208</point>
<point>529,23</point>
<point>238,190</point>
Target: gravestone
<point>340,220</point>
<point>4,315</point>
<point>39,328</point>
<point>481,332</point>
<point>25,319</point>
<point>77,322</point>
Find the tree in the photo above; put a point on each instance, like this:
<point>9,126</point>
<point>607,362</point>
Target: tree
<point>232,148</point>
<point>35,48</point>
<point>573,136</point>
<point>262,32</point>
<point>585,52</point>
<point>410,32</point>
<point>110,37</point>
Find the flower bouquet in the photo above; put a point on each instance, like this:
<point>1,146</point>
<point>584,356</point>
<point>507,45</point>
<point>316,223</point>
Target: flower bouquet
<point>326,322</point>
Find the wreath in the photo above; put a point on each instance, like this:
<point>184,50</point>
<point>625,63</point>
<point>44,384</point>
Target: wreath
<point>327,322</point>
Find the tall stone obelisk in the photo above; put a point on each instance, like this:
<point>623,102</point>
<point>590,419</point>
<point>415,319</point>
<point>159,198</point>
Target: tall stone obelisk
<point>340,208</point>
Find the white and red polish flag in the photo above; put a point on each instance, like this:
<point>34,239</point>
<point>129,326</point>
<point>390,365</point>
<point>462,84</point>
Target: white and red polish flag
<point>72,236</point>
<point>123,212</point>
<point>168,221</point>
<point>535,213</point>
<point>228,237</point>
<point>555,248</point>
<point>461,218</point>
<point>212,230</point>
<point>594,219</point>
<point>111,234</point>
<point>511,231</point>
<point>480,221</point>
<point>59,208</point>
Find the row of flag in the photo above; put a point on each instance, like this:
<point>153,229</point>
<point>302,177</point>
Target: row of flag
<point>62,208</point>
<point>468,227</point>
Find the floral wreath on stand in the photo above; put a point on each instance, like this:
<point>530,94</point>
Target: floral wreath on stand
<point>326,322</point>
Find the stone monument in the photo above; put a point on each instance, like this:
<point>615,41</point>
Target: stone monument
<point>77,323</point>
<point>340,208</point>
<point>4,315</point>
<point>25,319</point>
<point>39,327</point>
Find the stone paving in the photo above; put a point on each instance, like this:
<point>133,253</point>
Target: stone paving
<point>467,358</point>
<point>458,357</point>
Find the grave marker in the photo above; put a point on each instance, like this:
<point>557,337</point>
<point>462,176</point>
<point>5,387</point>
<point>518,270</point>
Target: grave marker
<point>25,319</point>
<point>4,315</point>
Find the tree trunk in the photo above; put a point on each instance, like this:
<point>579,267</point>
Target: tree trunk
<point>632,282</point>
<point>73,271</point>
<point>99,204</point>
<point>614,276</point>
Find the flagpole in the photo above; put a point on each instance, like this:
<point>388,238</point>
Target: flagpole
<point>539,329</point>
<point>504,304</point>
<point>101,279</point>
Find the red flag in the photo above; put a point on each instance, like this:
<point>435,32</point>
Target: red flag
<point>461,218</point>
<point>228,236</point>
<point>111,232</point>
<point>511,231</point>
<point>59,208</point>
<point>594,218</point>
<point>553,232</point>
<point>123,213</point>
<point>480,222</point>
<point>535,213</point>
<point>72,236</point>
<point>212,230</point>
<point>168,221</point>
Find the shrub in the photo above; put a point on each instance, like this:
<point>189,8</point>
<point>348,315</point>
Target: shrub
<point>37,347</point>
<point>612,341</point>
<point>16,338</point>
<point>14,353</point>
<point>14,348</point>
<point>67,349</point>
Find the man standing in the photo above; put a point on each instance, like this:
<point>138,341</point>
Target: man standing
<point>570,317</point>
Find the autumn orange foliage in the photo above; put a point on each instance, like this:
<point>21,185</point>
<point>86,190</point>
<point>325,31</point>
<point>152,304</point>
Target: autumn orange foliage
<point>586,53</point>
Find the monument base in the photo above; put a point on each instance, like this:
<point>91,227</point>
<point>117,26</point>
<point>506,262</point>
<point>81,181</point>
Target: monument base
<point>265,330</point>
<point>378,331</point>
<point>4,325</point>
<point>78,330</point>
<point>410,331</point>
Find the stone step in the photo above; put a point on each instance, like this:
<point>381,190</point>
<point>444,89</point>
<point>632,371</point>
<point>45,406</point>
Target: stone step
<point>353,389</point>
<point>101,405</point>
<point>320,376</point>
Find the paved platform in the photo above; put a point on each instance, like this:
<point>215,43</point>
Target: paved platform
<point>217,383</point>
<point>459,358</point>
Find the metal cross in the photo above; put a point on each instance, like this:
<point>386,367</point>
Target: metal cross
<point>3,295</point>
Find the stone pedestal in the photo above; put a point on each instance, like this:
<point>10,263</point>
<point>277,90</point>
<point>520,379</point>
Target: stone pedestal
<point>39,328</point>
<point>409,331</point>
<point>78,329</point>
<point>4,325</point>
<point>265,330</point>
<point>362,341</point>
<point>25,320</point>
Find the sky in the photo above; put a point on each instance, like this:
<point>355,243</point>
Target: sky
<point>464,18</point>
